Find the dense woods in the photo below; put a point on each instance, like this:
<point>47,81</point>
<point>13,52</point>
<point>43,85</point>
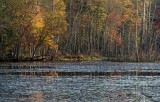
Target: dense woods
<point>124,29</point>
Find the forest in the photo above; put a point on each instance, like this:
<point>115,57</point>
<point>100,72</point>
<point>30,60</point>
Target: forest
<point>121,30</point>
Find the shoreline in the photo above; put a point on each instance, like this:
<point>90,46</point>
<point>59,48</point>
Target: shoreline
<point>68,60</point>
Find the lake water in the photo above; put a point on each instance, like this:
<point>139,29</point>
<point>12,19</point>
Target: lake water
<point>84,88</point>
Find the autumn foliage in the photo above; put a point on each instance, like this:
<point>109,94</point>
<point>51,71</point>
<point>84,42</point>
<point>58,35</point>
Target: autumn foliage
<point>31,28</point>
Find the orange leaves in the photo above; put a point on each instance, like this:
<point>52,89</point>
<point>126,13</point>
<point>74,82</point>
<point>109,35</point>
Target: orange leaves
<point>115,37</point>
<point>116,18</point>
<point>118,39</point>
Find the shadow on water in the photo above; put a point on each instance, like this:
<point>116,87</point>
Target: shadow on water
<point>75,68</point>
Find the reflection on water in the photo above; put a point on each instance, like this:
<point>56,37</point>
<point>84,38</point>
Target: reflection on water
<point>79,89</point>
<point>81,66</point>
<point>84,88</point>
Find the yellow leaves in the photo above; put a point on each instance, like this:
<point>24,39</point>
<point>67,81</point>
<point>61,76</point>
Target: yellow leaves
<point>18,13</point>
<point>127,2</point>
<point>39,25</point>
<point>59,5</point>
<point>38,18</point>
<point>125,16</point>
<point>38,22</point>
<point>55,21</point>
<point>59,9</point>
<point>138,20</point>
<point>49,42</point>
<point>49,23</point>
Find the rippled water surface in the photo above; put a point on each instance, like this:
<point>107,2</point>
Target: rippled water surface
<point>32,88</point>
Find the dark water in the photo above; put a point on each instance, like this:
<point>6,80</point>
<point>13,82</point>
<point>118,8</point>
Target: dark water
<point>32,88</point>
